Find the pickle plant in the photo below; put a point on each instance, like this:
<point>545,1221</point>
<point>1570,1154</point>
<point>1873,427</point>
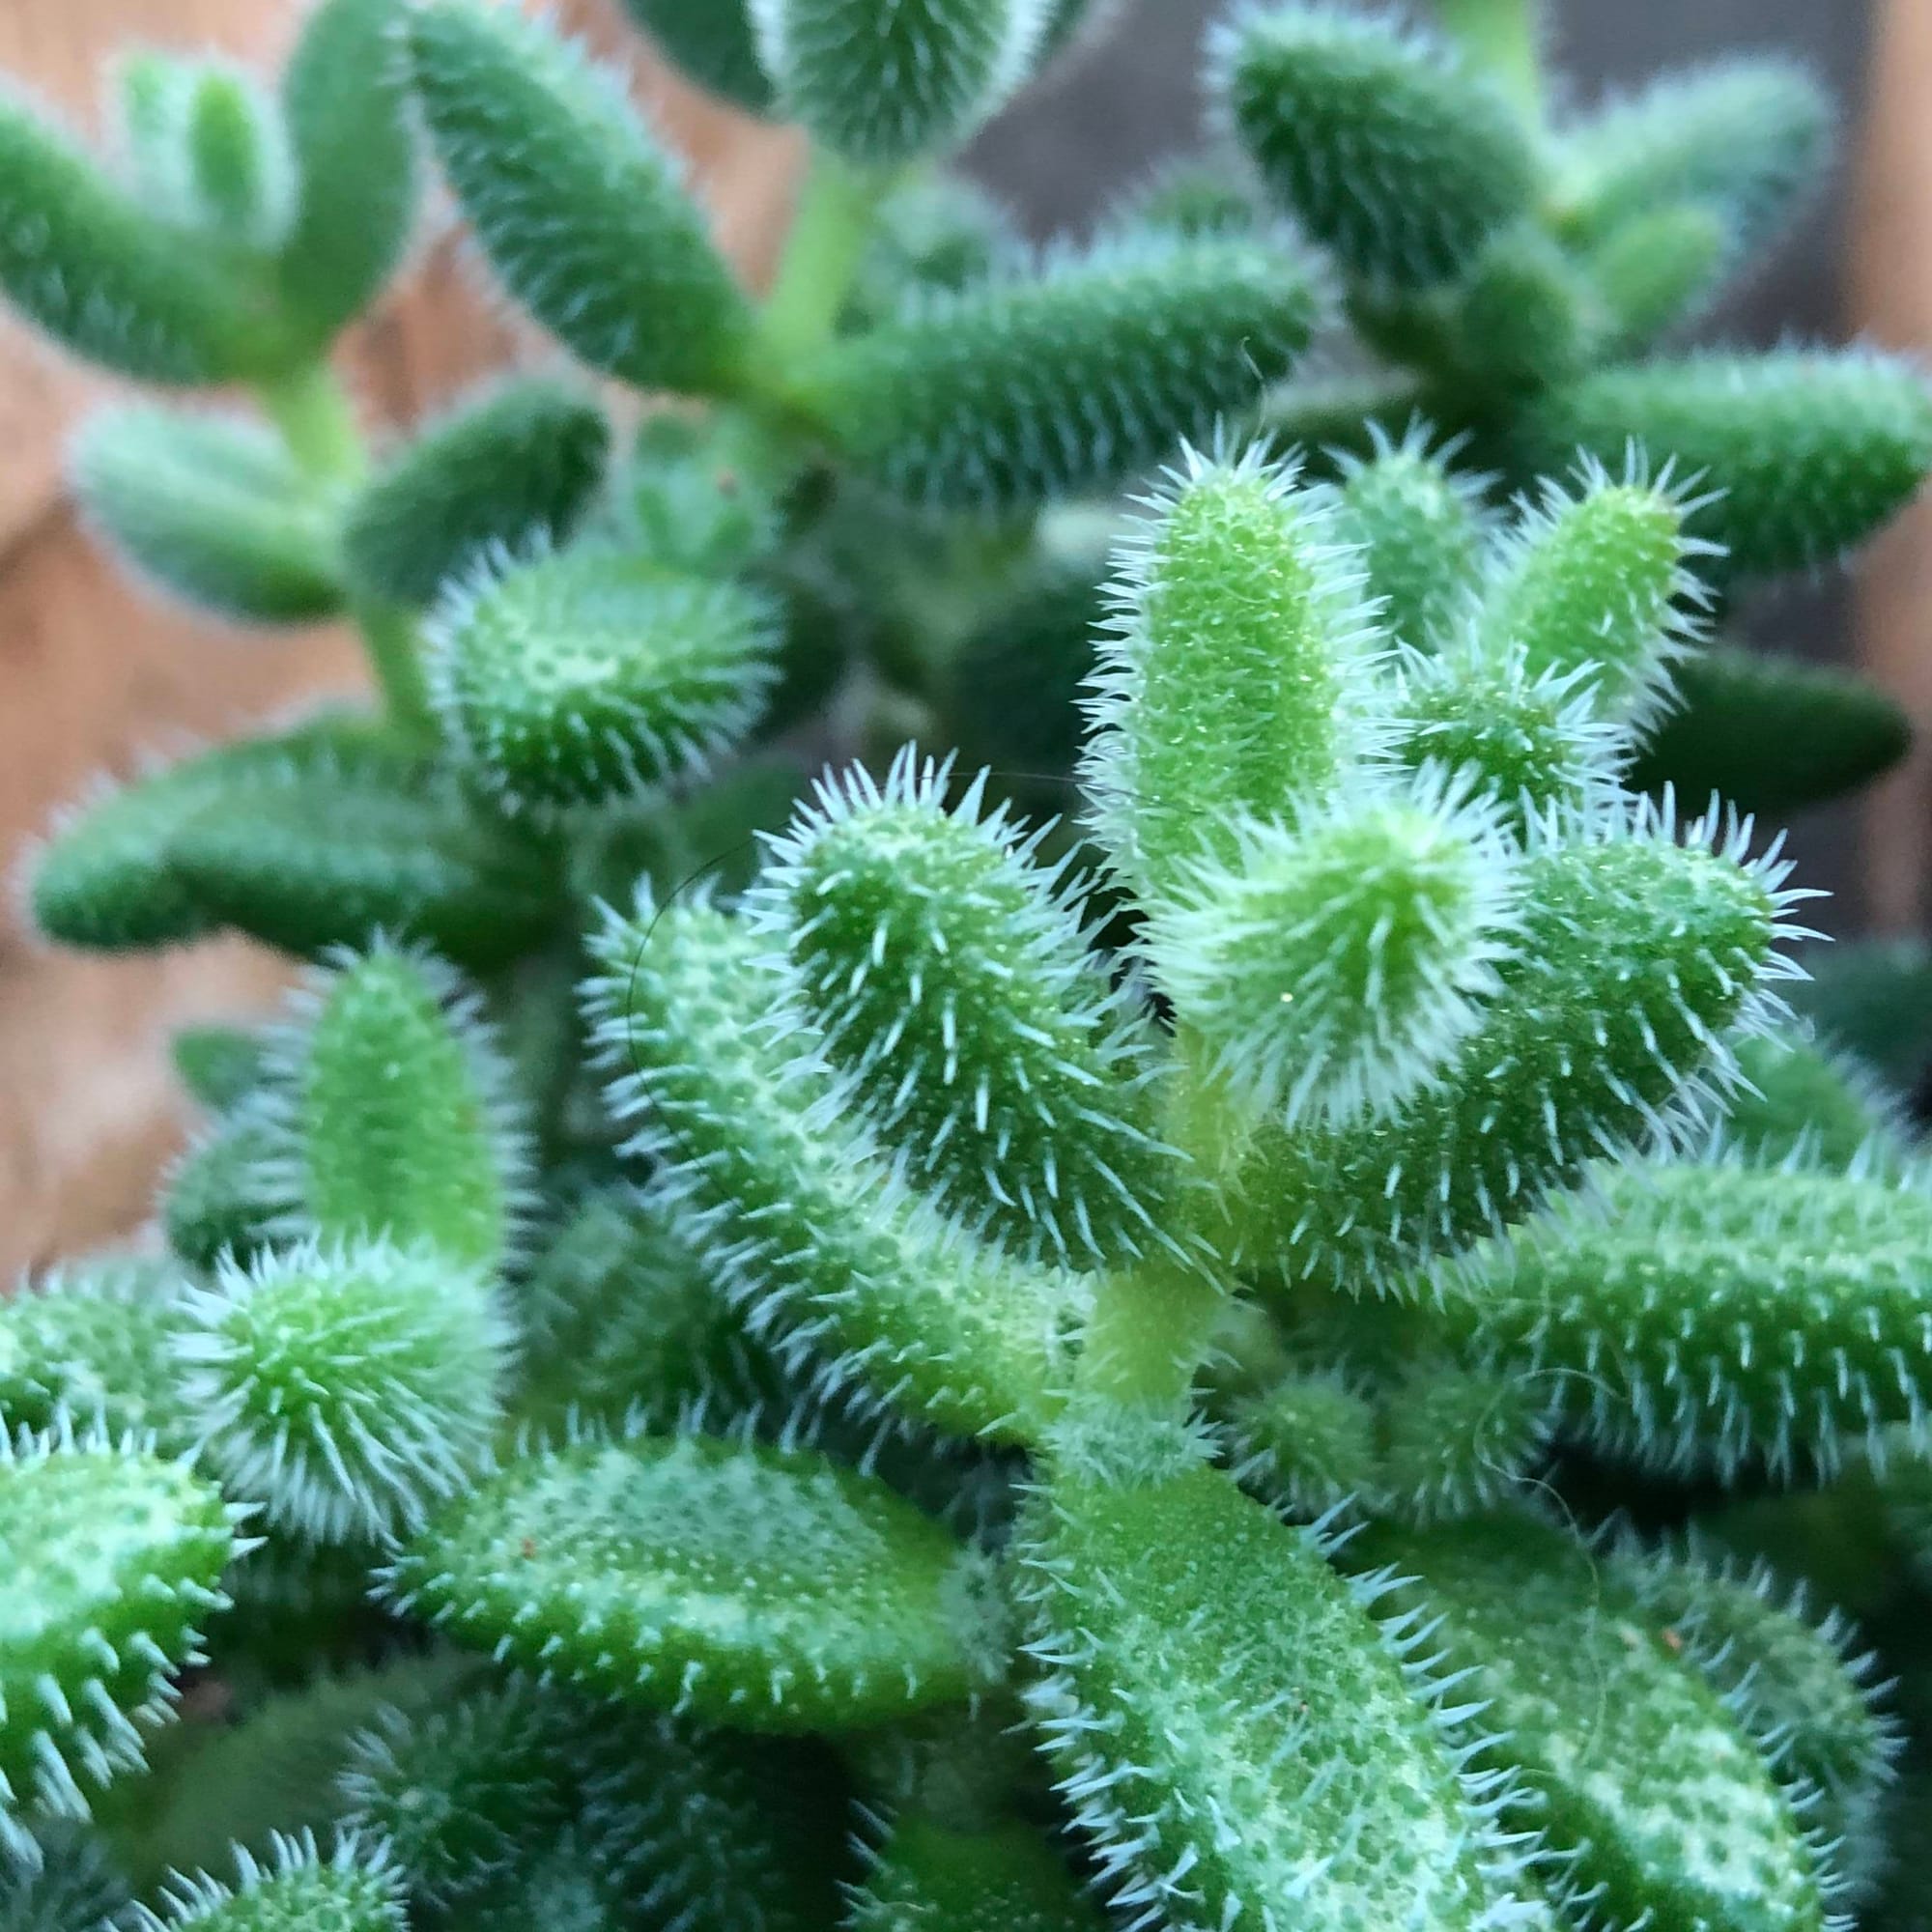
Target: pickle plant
<point>1211,1286</point>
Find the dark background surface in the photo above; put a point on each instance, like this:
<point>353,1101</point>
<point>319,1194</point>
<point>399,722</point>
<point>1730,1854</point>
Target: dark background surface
<point>1112,112</point>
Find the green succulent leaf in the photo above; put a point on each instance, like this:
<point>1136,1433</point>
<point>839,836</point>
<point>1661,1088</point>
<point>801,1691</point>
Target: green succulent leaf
<point>1802,454</point>
<point>1802,1685</point>
<point>594,673</point>
<point>108,281</point>
<point>1874,998</point>
<point>514,467</point>
<point>760,1588</point>
<point>1336,968</point>
<point>949,982</point>
<point>344,1390</point>
<point>67,1885</point>
<point>345,96</point>
<point>714,42</point>
<point>582,215</point>
<point>1535,743</point>
<point>1598,582</point>
<point>1392,153</point>
<point>1698,1315</point>
<point>1021,388</point>
<point>883,82</point>
<point>319,855</point>
<point>393,1115</point>
<point>1741,140</point>
<point>933,1879</point>
<point>1770,735</point>
<point>107,880</point>
<point>1636,954</point>
<point>868,1293</point>
<point>212,508</point>
<point>356,1888</point>
<point>92,1341</point>
<point>116,1559</point>
<point>1804,1100</point>
<point>1234,1735</point>
<point>1308,1445</point>
<point>225,1196</point>
<point>1649,1796</point>
<point>1240,624</point>
<point>1420,527</point>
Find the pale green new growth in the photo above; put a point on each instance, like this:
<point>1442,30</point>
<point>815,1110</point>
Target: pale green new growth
<point>932,1879</point>
<point>1235,683</point>
<point>1334,969</point>
<point>394,1115</point>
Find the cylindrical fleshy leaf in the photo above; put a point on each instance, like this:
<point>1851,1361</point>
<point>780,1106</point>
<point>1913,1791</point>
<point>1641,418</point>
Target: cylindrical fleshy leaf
<point>1649,1799</point>
<point>1307,1446</point>
<point>1456,1440</point>
<point>952,986</point>
<point>1742,139</point>
<point>931,1875</point>
<point>1697,1316</point>
<point>345,96</point>
<point>624,1316</point>
<point>114,1561</point>
<point>1231,1729</point>
<point>1597,582</point>
<point>110,282</point>
<point>1333,970</point>
<point>347,1389</point>
<point>1770,735</point>
<point>874,1294</point>
<point>1388,149</point>
<point>393,1114</point>
<point>1019,389</point>
<point>594,673</point>
<point>212,509</point>
<point>106,879</point>
<point>1416,521</point>
<point>1802,1684</point>
<point>1537,744</point>
<point>580,213</point>
<point>760,1588</point>
<point>226,1195</point>
<point>209,152</point>
<point>885,81</point>
<point>1635,956</point>
<point>1236,683</point>
<point>356,1888</point>
<point>1805,1099</point>
<point>714,42</point>
<point>91,1342</point>
<point>1801,454</point>
<point>514,467</point>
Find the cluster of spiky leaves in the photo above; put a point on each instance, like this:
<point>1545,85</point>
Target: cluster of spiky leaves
<point>878,1362</point>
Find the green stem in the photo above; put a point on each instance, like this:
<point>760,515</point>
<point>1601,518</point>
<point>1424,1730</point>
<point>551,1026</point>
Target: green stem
<point>395,657</point>
<point>1505,36</point>
<point>316,420</point>
<point>835,211</point>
